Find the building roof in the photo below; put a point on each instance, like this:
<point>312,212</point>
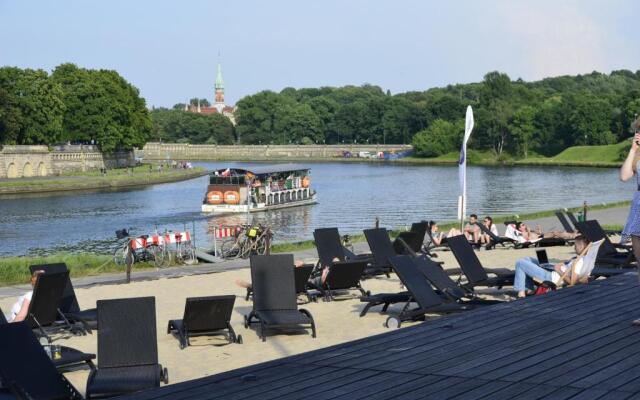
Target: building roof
<point>268,169</point>
<point>219,81</point>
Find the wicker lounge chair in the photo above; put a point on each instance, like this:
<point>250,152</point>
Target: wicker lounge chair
<point>274,296</point>
<point>205,316</point>
<point>127,348</point>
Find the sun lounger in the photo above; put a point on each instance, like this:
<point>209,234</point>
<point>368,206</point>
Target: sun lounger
<point>329,248</point>
<point>301,275</point>
<point>419,291</point>
<point>68,357</point>
<point>473,269</point>
<point>274,296</point>
<point>127,348</point>
<point>381,249</point>
<point>608,254</point>
<point>44,314</point>
<point>69,304</point>
<point>446,286</point>
<point>410,242</point>
<point>205,316</point>
<point>495,239</point>
<point>565,223</point>
<point>26,370</point>
<point>588,256</point>
<point>343,275</point>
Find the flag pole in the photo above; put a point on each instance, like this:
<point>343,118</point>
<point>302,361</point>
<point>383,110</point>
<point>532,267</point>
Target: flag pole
<point>462,167</point>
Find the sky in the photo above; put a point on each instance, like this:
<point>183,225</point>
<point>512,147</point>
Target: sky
<point>170,49</point>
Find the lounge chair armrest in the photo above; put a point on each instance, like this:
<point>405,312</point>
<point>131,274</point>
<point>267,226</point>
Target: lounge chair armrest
<point>622,246</point>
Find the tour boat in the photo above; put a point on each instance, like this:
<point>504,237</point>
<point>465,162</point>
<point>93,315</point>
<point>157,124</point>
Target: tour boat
<point>260,188</point>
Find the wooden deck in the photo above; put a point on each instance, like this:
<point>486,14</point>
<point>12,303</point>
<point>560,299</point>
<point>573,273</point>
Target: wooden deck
<point>577,343</point>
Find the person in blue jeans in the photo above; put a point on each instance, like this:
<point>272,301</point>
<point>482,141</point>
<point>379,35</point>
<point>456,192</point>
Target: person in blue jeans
<point>528,268</point>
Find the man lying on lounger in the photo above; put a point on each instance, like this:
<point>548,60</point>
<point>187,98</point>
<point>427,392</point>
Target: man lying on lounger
<point>528,268</point>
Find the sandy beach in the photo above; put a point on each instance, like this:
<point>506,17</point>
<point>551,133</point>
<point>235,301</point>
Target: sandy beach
<point>337,321</point>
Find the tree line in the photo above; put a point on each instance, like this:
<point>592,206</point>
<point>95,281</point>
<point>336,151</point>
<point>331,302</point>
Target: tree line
<point>71,105</point>
<point>513,117</point>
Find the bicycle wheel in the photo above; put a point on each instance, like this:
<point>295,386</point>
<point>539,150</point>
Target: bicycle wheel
<point>248,246</point>
<point>158,256</point>
<point>189,254</point>
<point>119,255</point>
<point>261,246</point>
<point>229,249</point>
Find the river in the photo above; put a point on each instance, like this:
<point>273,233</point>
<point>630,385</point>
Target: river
<point>351,196</point>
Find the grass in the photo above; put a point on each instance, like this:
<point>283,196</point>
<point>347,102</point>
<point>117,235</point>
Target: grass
<point>587,156</point>
<point>15,270</point>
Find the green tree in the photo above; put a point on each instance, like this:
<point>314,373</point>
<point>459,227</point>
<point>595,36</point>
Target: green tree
<point>589,120</point>
<point>439,138</point>
<point>31,107</point>
<point>523,129</point>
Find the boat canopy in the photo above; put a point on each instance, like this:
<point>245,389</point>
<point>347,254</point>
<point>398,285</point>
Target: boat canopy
<point>264,169</point>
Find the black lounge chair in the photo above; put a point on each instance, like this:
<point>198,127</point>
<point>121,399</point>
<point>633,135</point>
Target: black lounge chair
<point>410,242</point>
<point>25,369</point>
<point>69,304</point>
<point>301,275</point>
<point>44,314</point>
<point>381,249</point>
<point>69,357</point>
<point>564,222</point>
<point>446,286</point>
<point>419,291</point>
<point>329,247</point>
<point>274,296</point>
<point>127,348</point>
<point>343,275</point>
<point>473,269</point>
<point>205,316</point>
<point>495,239</point>
<point>608,253</point>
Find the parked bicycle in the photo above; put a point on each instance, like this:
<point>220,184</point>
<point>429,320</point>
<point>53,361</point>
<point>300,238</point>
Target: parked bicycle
<point>140,249</point>
<point>248,240</point>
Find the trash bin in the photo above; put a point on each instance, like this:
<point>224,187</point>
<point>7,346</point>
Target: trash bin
<point>580,216</point>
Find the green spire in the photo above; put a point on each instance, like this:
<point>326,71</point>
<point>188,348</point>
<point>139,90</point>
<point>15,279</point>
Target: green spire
<point>219,81</point>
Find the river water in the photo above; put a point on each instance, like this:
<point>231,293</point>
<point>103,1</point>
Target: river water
<point>351,196</point>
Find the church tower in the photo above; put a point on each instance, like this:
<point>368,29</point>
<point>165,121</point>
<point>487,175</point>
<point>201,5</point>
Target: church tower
<point>219,94</point>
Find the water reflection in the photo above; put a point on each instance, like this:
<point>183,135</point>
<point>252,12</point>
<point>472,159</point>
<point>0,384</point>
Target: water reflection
<point>350,196</point>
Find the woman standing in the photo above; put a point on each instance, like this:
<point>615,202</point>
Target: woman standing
<point>632,227</point>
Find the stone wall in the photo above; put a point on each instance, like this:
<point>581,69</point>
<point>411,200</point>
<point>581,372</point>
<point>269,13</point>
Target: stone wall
<point>29,161</point>
<point>166,151</point>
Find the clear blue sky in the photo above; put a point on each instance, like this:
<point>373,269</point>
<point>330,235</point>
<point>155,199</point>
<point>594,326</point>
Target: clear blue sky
<point>169,49</point>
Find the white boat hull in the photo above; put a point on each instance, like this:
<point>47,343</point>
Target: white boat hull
<point>242,208</point>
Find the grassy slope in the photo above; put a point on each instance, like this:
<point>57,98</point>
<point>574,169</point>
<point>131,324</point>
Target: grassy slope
<point>597,156</point>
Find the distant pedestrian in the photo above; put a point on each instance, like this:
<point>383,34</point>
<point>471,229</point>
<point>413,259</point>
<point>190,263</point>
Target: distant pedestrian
<point>629,168</point>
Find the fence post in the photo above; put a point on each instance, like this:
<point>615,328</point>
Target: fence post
<point>215,242</point>
<point>377,222</point>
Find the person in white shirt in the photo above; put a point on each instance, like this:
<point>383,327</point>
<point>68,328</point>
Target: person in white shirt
<point>488,222</point>
<point>21,307</point>
<point>527,269</point>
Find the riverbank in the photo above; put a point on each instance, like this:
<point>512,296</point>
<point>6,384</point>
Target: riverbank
<point>14,270</point>
<point>140,176</point>
<point>606,156</point>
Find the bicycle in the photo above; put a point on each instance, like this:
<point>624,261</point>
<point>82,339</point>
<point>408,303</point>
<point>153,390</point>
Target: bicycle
<point>247,240</point>
<point>185,251</point>
<point>139,249</point>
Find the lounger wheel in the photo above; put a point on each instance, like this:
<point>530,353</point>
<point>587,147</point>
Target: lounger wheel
<point>246,322</point>
<point>392,322</point>
<point>239,339</point>
<point>164,376</point>
<point>182,345</point>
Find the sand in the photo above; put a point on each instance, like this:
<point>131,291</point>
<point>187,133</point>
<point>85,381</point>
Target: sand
<point>336,321</point>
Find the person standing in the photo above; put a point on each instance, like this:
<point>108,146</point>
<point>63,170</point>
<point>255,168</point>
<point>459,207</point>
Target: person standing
<point>627,171</point>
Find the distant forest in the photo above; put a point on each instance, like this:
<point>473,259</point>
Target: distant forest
<point>512,116</point>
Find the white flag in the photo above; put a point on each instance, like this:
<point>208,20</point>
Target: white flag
<point>462,164</point>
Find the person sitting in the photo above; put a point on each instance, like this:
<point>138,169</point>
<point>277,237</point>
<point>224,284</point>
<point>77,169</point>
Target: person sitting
<point>484,237</point>
<point>471,230</point>
<point>437,238</point>
<point>21,307</point>
<point>528,268</point>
